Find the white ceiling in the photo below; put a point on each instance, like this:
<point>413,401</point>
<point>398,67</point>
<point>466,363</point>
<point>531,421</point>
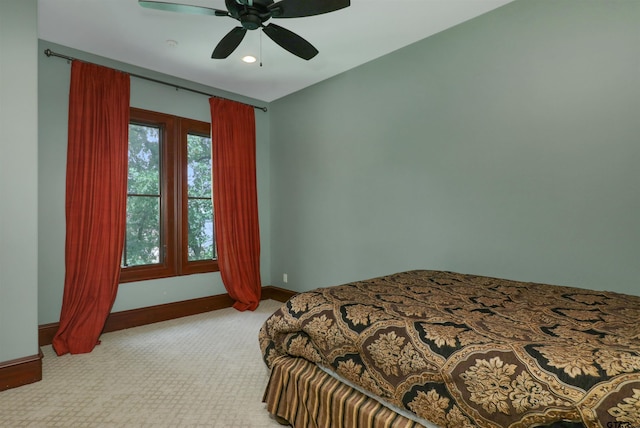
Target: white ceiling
<point>368,29</point>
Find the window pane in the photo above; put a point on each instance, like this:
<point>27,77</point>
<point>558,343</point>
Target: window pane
<point>201,236</point>
<point>201,240</point>
<point>199,166</point>
<point>143,243</point>
<point>143,240</point>
<point>144,160</point>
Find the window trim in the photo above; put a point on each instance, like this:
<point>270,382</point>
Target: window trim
<point>173,182</point>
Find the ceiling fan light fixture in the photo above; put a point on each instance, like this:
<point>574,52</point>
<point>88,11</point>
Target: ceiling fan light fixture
<point>249,59</point>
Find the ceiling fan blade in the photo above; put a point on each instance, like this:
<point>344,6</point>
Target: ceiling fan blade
<point>297,8</point>
<point>182,8</point>
<point>290,41</point>
<point>229,43</point>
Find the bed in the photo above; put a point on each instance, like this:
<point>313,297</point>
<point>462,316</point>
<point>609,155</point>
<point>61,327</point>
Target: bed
<point>445,349</point>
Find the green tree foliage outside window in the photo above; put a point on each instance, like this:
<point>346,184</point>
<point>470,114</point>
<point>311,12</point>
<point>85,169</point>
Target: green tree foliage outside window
<point>143,240</point>
<point>200,206</point>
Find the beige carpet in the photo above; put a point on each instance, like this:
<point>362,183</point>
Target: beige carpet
<point>199,371</point>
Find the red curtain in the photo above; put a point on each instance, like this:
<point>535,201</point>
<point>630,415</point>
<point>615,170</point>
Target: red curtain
<point>96,197</point>
<point>233,135</point>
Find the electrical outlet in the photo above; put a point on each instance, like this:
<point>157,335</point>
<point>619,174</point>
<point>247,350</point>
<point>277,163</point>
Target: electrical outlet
<point>284,278</point>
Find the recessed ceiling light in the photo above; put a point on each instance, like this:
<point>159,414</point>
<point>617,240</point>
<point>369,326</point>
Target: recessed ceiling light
<point>249,59</point>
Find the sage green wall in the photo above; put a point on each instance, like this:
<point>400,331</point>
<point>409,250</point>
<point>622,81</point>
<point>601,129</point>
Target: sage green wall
<point>18,180</point>
<point>53,78</point>
<point>507,146</point>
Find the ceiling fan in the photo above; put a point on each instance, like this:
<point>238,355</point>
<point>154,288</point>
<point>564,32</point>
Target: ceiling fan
<point>252,15</point>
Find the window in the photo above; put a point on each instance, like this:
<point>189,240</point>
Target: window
<point>169,208</point>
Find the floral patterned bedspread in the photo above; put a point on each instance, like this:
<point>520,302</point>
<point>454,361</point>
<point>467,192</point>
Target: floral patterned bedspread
<point>464,350</point>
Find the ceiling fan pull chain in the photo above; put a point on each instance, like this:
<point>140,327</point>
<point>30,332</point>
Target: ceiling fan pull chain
<point>261,47</point>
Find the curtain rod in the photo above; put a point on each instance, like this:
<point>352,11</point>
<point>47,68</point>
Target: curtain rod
<point>50,53</point>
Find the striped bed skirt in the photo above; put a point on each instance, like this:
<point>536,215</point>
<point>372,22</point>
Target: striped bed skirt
<point>300,394</point>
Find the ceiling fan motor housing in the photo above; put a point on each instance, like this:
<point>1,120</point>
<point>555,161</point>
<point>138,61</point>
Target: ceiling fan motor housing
<point>250,21</point>
<point>251,13</point>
